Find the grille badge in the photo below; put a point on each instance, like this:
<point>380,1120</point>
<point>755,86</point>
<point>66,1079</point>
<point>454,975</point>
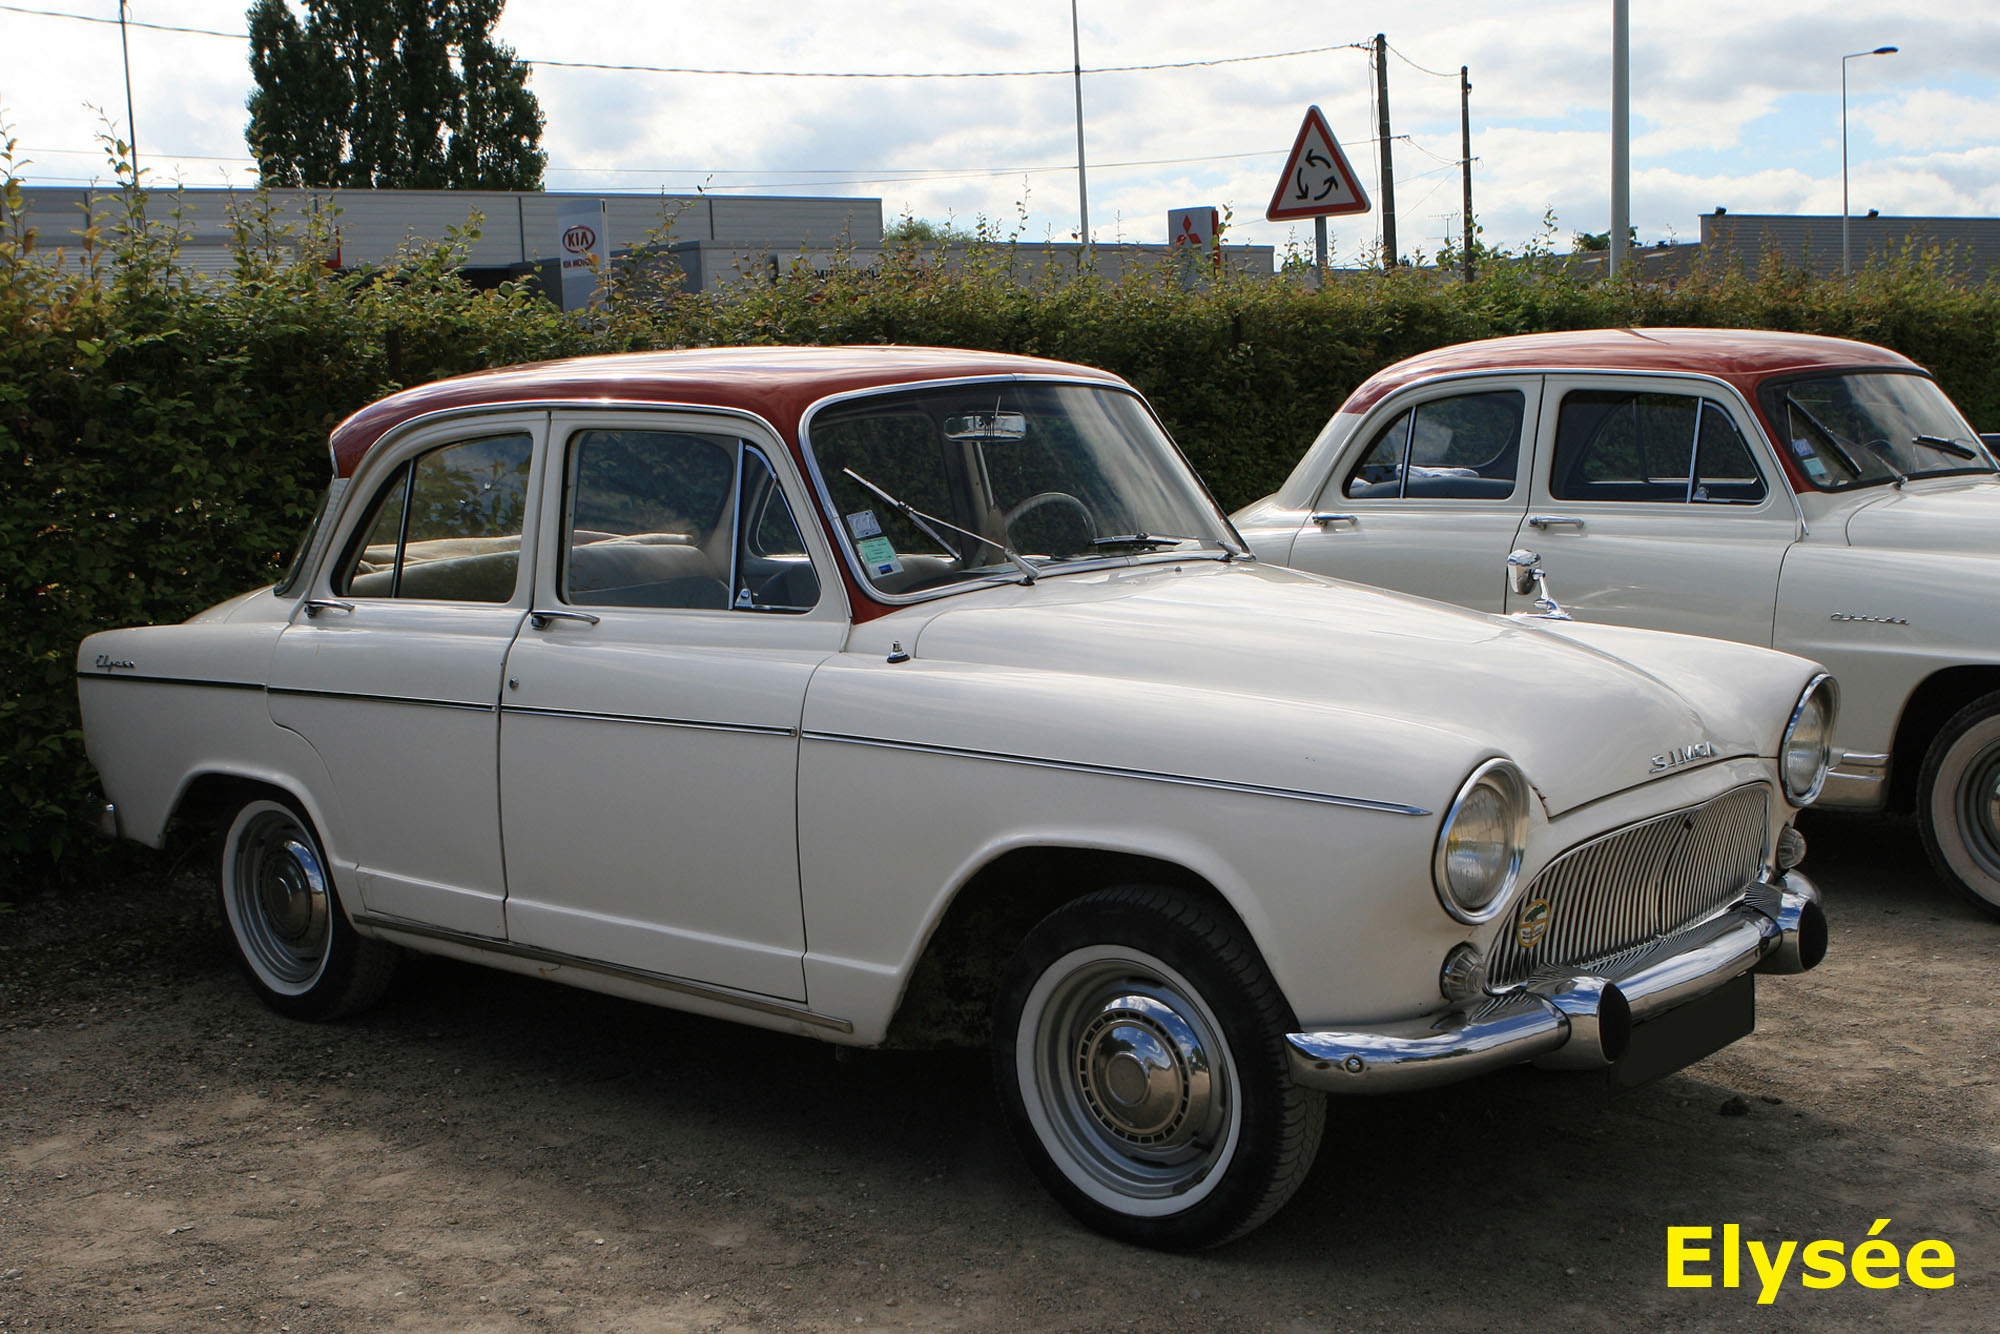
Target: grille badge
<point>1536,915</point>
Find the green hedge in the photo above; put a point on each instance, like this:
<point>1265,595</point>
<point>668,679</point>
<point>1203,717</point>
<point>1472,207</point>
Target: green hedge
<point>162,439</point>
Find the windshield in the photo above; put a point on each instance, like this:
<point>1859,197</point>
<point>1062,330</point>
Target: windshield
<point>941,486</point>
<point>1861,429</point>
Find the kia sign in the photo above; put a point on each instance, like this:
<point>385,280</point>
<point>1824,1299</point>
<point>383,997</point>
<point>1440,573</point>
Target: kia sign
<point>580,231</point>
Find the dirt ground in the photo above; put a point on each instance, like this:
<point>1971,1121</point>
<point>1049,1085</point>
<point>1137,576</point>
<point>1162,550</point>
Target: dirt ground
<point>487,1152</point>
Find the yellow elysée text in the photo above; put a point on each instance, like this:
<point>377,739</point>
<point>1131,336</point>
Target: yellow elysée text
<point>1874,1263</point>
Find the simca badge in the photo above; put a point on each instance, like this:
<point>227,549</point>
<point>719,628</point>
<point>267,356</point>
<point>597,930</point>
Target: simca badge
<point>1700,750</point>
<point>1535,917</point>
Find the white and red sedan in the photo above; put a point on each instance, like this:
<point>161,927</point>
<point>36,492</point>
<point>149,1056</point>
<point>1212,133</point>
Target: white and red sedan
<point>905,695</point>
<point>1813,494</point>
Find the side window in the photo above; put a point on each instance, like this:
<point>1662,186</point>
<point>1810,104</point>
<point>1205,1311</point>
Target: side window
<point>646,518</point>
<point>447,526</point>
<point>674,519</point>
<point>1466,447</point>
<point>1617,445</point>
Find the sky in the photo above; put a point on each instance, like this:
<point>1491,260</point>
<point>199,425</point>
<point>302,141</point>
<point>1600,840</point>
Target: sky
<point>1732,105</point>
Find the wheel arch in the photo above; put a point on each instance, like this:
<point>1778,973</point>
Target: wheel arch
<point>948,998</point>
<point>1932,704</point>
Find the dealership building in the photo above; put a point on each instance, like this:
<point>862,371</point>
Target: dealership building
<point>717,240</point>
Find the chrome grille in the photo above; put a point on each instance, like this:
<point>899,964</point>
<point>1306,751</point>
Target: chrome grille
<point>1635,885</point>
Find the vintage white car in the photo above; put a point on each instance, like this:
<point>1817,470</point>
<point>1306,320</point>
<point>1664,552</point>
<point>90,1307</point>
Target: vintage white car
<point>1814,494</point>
<point>889,695</point>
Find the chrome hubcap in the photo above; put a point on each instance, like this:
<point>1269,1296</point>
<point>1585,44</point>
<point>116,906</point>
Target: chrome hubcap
<point>278,898</point>
<point>1979,808</point>
<point>1127,1077</point>
<point>1143,1072</point>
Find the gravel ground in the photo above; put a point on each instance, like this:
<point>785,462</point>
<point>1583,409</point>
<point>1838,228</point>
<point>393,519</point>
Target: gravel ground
<point>488,1152</point>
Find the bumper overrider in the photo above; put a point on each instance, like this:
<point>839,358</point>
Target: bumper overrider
<point>1577,1019</point>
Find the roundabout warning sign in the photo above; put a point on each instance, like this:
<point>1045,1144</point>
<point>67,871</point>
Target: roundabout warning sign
<point>1319,182</point>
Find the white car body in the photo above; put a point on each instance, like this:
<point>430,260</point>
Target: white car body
<point>1894,587</point>
<point>840,819</point>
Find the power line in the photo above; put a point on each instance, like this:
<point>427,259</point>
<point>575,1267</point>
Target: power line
<point>131,23</point>
<point>1421,69</point>
<point>768,73</point>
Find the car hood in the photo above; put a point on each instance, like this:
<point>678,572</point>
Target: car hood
<point>1957,516</point>
<point>1583,720</point>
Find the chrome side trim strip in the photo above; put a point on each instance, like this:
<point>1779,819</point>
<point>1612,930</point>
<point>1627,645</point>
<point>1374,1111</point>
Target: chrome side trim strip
<point>645,720</point>
<point>678,985</point>
<point>380,699</point>
<point>171,681</point>
<point>1110,771</point>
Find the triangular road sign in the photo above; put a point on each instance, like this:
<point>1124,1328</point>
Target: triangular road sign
<point>1318,181</point>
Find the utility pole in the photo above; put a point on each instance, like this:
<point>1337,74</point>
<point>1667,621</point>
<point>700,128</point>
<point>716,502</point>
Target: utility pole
<point>1388,165</point>
<point>1082,189</point>
<point>131,128</point>
<point>1465,155</point>
<point>1621,133</point>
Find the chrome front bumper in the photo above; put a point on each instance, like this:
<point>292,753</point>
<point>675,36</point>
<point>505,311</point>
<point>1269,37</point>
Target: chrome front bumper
<point>1577,1020</point>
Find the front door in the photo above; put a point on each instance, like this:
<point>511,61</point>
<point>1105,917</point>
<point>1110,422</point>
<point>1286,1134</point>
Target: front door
<point>1658,506</point>
<point>649,721</point>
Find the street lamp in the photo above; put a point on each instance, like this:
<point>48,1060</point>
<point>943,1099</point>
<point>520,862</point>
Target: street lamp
<point>1878,51</point>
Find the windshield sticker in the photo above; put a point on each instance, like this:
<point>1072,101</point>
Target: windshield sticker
<point>1810,460</point>
<point>864,525</point>
<point>878,555</point>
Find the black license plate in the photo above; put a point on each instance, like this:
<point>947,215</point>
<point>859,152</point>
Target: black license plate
<point>1684,1035</point>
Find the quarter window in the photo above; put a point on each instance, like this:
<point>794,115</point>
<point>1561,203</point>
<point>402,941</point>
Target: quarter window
<point>447,526</point>
<point>1467,447</point>
<point>1615,445</point>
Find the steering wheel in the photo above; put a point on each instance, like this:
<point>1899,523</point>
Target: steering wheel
<point>1041,498</point>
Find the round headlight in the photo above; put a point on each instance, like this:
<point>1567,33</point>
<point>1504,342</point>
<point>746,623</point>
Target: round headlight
<point>1479,847</point>
<point>1807,750</point>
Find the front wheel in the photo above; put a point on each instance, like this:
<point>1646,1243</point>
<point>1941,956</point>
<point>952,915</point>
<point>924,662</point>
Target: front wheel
<point>1139,1050</point>
<point>292,939</point>
<point>1959,801</point>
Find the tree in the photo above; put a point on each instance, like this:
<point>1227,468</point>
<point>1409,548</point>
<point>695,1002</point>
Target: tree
<point>391,94</point>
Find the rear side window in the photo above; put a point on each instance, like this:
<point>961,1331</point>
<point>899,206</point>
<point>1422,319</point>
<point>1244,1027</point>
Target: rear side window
<point>1616,445</point>
<point>1466,447</point>
<point>446,526</point>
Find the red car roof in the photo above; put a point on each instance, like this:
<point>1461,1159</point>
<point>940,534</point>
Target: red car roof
<point>775,383</point>
<point>1740,356</point>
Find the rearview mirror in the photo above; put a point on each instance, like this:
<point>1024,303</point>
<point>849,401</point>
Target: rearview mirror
<point>987,427</point>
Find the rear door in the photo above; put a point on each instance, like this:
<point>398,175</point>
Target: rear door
<point>391,669</point>
<point>1429,493</point>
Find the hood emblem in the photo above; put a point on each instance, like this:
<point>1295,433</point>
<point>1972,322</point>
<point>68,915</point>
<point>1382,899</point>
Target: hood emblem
<point>105,662</point>
<point>1673,759</point>
<point>1536,914</point>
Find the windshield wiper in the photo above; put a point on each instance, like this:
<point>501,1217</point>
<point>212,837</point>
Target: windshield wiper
<point>1142,541</point>
<point>1945,446</point>
<point>1833,443</point>
<point>918,517</point>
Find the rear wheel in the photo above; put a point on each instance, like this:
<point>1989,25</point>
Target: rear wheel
<point>1960,802</point>
<point>1139,1049</point>
<point>292,939</point>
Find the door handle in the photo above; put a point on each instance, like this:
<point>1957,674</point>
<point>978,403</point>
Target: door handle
<point>1547,521</point>
<point>541,620</point>
<point>1324,519</point>
<point>314,606</point>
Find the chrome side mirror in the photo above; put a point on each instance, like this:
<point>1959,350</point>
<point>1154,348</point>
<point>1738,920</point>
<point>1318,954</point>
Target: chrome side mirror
<point>1524,576</point>
<point>1522,571</point>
